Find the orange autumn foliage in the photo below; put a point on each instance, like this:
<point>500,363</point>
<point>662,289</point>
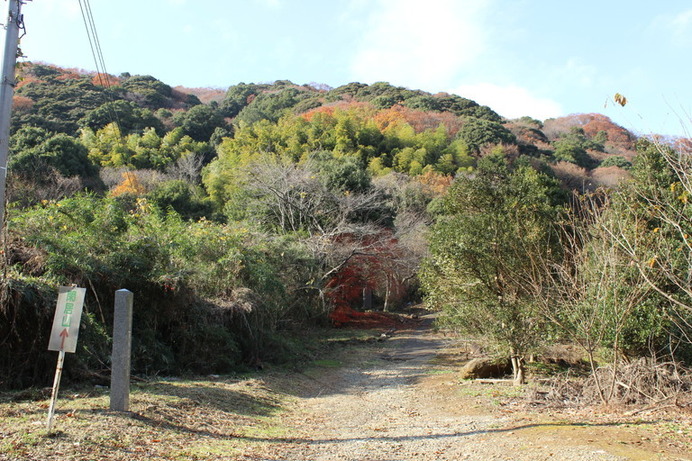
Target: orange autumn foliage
<point>129,185</point>
<point>419,120</point>
<point>434,183</point>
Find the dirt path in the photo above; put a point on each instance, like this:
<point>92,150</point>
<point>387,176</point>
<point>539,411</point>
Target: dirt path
<point>398,399</point>
<point>400,405</point>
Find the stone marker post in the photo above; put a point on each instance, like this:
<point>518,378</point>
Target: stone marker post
<point>367,299</point>
<point>122,344</point>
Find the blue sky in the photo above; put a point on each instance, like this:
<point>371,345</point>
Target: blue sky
<point>542,58</point>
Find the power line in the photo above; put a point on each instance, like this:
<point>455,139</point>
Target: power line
<point>97,53</point>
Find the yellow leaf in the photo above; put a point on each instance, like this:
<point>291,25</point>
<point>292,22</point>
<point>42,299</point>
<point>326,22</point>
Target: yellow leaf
<point>620,99</point>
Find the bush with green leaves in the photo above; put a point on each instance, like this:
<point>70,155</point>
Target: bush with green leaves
<point>573,146</point>
<point>208,296</point>
<point>616,160</point>
<point>478,132</point>
<point>34,150</point>
<point>482,249</point>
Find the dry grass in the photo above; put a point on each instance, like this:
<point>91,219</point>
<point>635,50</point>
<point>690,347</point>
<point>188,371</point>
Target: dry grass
<point>215,417</point>
<point>186,419</point>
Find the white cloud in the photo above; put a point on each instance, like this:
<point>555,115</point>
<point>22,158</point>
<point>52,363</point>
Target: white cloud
<point>511,101</point>
<point>682,28</point>
<point>678,27</point>
<point>421,45</point>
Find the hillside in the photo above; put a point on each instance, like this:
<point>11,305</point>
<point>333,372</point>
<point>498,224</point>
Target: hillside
<point>581,149</point>
<point>241,217</point>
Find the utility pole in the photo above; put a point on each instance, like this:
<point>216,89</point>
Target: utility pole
<point>13,24</point>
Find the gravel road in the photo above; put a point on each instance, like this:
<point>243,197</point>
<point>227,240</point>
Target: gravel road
<point>383,408</point>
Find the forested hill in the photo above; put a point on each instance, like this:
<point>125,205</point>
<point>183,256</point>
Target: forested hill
<point>581,149</point>
<point>236,216</point>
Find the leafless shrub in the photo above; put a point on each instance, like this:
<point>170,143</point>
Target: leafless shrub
<point>563,391</point>
<point>51,186</point>
<point>572,176</point>
<point>112,176</point>
<point>32,259</point>
<point>187,168</point>
<point>644,382</point>
<point>641,385</point>
<point>609,176</point>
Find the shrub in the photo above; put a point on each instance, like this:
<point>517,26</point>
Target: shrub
<point>207,296</point>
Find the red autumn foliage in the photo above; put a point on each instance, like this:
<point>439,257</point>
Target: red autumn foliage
<point>617,135</point>
<point>22,103</point>
<point>371,268</point>
<point>69,75</point>
<point>105,80</point>
<point>592,124</point>
<point>343,316</point>
<point>683,145</point>
<point>26,80</point>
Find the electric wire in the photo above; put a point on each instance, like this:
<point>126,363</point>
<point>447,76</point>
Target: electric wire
<point>99,60</point>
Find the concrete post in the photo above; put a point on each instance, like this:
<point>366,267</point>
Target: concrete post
<point>122,345</point>
<point>367,299</point>
<point>13,24</point>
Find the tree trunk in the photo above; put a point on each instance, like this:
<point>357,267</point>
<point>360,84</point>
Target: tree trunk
<point>518,368</point>
<point>386,295</point>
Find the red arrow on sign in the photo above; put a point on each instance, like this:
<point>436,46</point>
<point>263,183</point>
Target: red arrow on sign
<point>63,334</point>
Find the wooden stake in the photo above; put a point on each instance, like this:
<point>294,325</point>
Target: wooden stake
<point>56,386</point>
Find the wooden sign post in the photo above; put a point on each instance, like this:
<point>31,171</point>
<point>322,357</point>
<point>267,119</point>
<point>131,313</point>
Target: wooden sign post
<point>63,336</point>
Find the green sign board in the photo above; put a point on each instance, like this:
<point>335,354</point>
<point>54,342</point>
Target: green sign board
<point>68,313</point>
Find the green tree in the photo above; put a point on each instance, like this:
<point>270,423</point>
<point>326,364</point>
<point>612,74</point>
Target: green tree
<point>58,104</point>
<point>35,149</point>
<point>652,227</point>
<point>572,147</point>
<point>185,199</point>
<point>481,251</point>
<point>269,106</point>
<point>199,122</point>
<point>237,97</point>
<point>477,133</point>
<point>616,160</point>
<point>148,91</point>
<point>129,117</point>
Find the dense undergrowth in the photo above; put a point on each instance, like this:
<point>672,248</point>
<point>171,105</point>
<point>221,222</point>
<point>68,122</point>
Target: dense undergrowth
<point>209,297</point>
